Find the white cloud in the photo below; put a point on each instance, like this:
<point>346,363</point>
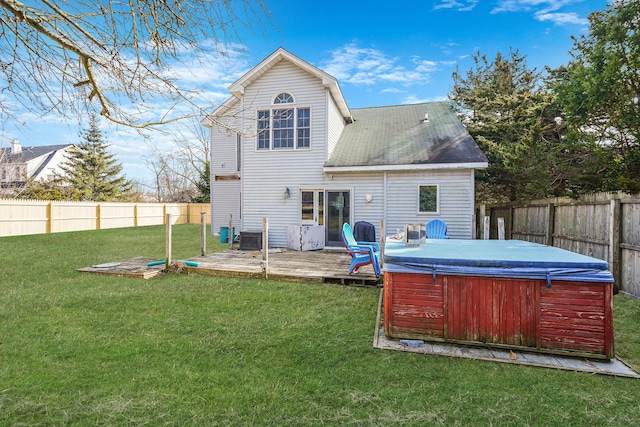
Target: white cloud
<point>357,65</point>
<point>562,18</point>
<point>461,6</point>
<point>217,70</point>
<point>391,90</point>
<point>543,10</point>
<point>413,99</point>
<point>368,66</point>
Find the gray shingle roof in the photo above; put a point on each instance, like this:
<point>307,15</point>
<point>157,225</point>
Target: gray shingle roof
<point>28,153</point>
<point>398,135</point>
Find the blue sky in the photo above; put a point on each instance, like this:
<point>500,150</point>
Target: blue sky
<point>381,52</point>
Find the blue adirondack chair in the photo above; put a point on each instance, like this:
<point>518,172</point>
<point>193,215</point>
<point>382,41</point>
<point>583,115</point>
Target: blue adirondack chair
<point>437,229</point>
<point>362,253</point>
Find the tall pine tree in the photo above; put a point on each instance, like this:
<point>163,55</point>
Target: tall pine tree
<point>515,120</point>
<point>204,185</point>
<point>91,173</point>
<point>599,92</point>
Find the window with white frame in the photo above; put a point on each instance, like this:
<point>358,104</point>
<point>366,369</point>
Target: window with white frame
<point>428,199</point>
<point>285,127</point>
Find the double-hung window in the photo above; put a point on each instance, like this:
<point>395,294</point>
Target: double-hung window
<point>304,128</point>
<point>264,120</point>
<point>285,127</point>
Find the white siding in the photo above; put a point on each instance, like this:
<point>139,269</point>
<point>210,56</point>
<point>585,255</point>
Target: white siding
<point>455,204</point>
<point>266,174</point>
<point>226,201</point>
<point>52,168</point>
<point>225,194</point>
<point>335,125</point>
<point>223,153</point>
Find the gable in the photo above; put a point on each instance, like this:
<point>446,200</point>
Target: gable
<point>29,153</point>
<point>240,86</point>
<point>399,137</point>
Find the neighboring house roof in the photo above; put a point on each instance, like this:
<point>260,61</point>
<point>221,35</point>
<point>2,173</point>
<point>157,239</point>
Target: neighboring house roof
<point>40,158</point>
<point>399,138</point>
<point>29,153</point>
<point>330,82</point>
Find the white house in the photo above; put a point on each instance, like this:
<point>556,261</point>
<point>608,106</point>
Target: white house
<point>20,164</point>
<point>286,146</point>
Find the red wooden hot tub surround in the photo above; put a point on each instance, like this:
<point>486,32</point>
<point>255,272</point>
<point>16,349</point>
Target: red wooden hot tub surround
<point>569,318</point>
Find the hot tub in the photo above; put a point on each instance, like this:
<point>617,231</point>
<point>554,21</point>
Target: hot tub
<point>503,293</point>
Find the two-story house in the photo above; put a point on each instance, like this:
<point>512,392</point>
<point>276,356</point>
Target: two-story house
<point>286,146</point>
<point>20,164</point>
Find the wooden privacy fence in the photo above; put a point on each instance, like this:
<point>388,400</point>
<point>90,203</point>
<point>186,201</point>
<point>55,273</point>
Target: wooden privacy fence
<point>603,226</point>
<point>20,217</point>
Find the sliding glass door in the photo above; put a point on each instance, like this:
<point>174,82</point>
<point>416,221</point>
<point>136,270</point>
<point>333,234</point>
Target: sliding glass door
<point>338,211</point>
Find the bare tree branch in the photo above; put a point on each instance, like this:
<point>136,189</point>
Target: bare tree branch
<point>111,56</point>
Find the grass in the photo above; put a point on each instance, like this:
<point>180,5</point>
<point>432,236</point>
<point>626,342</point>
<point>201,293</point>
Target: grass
<point>82,349</point>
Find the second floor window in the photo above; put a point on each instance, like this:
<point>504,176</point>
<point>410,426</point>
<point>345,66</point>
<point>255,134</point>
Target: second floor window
<point>284,128</point>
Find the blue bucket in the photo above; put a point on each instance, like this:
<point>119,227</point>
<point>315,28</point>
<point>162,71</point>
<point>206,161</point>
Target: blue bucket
<point>224,234</point>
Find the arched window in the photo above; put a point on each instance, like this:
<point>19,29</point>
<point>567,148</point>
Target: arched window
<point>283,98</point>
<point>284,127</point>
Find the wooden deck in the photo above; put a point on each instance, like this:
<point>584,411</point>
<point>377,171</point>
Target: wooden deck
<point>325,266</point>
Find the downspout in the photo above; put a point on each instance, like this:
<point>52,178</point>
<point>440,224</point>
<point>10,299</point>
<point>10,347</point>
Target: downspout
<point>384,202</point>
<point>243,142</point>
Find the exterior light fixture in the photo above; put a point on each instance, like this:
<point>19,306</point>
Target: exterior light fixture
<point>368,198</point>
<point>287,193</point>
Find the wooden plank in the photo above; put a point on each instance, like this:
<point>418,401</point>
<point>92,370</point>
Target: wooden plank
<point>134,268</point>
<point>388,303</point>
<point>615,212</point>
<point>413,305</point>
<point>609,347</point>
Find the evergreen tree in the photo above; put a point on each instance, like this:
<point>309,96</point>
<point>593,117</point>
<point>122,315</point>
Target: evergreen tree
<point>599,91</point>
<point>43,190</point>
<point>204,185</point>
<point>91,173</point>
<point>516,122</point>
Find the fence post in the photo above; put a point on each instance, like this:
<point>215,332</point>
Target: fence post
<point>486,234</point>
<point>500,228</point>
<point>231,233</point>
<point>509,222</point>
<point>203,233</point>
<point>168,242</point>
<point>481,215</point>
<point>615,265</point>
<point>474,229</point>
<point>265,247</point>
<point>49,218</point>
<point>551,219</point>
<point>135,215</point>
<point>98,213</point>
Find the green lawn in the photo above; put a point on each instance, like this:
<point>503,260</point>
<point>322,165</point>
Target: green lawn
<point>83,349</point>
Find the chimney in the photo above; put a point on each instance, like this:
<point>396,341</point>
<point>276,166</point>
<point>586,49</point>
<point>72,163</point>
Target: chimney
<point>16,148</point>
